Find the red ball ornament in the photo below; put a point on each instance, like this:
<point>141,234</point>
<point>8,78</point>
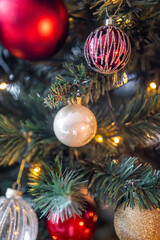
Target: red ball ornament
<point>107,49</point>
<point>33,29</point>
<point>74,229</point>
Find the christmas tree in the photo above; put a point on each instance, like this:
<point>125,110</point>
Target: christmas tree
<point>80,120</point>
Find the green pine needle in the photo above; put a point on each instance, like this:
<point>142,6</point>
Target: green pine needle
<point>78,81</point>
<point>58,193</point>
<point>134,8</point>
<point>128,181</point>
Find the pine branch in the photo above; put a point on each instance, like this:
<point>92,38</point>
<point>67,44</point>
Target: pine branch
<point>63,91</point>
<point>113,183</point>
<point>78,81</point>
<point>126,182</point>
<point>128,9</point>
<point>138,121</point>
<point>141,119</point>
<point>13,143</point>
<point>58,193</point>
<point>14,140</point>
<point>112,112</point>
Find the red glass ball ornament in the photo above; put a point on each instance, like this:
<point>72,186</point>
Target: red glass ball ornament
<point>107,49</point>
<point>80,228</point>
<point>33,29</point>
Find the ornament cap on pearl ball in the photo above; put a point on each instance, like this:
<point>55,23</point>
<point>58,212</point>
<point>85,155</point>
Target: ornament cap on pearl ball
<point>75,125</point>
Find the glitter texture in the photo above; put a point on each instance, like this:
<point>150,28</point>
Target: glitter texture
<point>107,49</point>
<point>133,224</point>
<point>18,221</point>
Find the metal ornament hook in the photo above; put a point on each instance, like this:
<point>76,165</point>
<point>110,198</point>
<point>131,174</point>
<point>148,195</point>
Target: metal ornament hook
<point>109,21</point>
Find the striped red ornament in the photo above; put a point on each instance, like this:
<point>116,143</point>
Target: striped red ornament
<point>107,49</point>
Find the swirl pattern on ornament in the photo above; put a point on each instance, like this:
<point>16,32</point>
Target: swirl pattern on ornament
<point>107,49</point>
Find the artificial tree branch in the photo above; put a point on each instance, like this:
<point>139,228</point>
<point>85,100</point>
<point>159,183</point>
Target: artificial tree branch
<point>112,112</point>
<point>59,193</point>
<point>127,181</point>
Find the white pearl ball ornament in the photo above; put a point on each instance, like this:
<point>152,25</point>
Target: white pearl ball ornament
<point>75,125</point>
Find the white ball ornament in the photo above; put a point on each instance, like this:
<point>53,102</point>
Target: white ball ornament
<point>18,221</point>
<point>75,125</point>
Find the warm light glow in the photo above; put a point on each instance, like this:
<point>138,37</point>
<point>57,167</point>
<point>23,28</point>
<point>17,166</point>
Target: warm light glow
<point>3,86</point>
<point>18,53</point>
<point>115,161</point>
<point>128,21</point>
<point>81,223</point>
<point>91,214</point>
<point>71,19</point>
<point>37,169</point>
<point>84,191</point>
<point>95,218</point>
<point>116,139</point>
<point>87,230</point>
<point>54,237</point>
<point>149,136</point>
<point>153,85</point>
<point>106,206</point>
<point>45,27</point>
<point>119,20</point>
<point>125,78</point>
<point>115,1</point>
<point>99,138</point>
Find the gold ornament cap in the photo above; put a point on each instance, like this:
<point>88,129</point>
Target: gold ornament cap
<point>13,193</point>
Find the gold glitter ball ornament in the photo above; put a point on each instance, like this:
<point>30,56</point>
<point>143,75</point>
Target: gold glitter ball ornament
<point>107,49</point>
<point>133,224</point>
<point>18,221</point>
